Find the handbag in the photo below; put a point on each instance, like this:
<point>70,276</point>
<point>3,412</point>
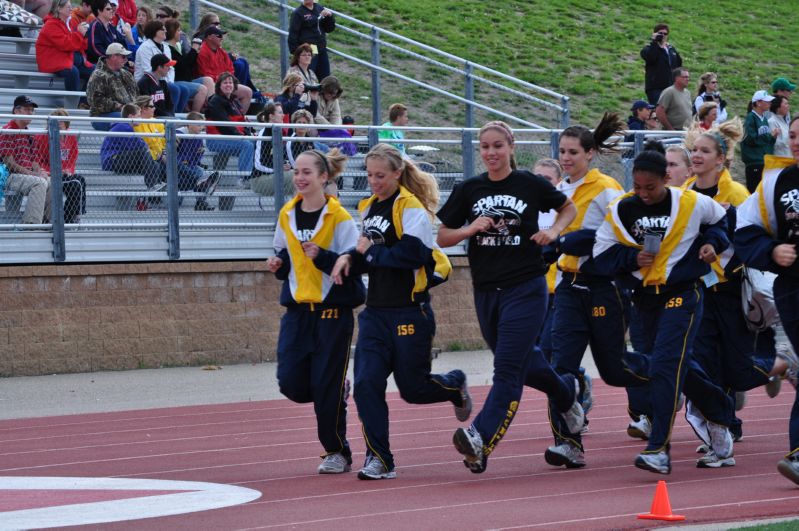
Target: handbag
<point>757,298</point>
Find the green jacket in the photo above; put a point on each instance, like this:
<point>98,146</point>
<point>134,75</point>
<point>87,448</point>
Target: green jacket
<point>758,140</point>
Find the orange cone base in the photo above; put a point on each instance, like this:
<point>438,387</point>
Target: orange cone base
<point>665,517</point>
<point>661,506</point>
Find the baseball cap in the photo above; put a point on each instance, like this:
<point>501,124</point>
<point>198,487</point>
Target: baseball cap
<point>761,95</point>
<point>214,30</point>
<point>641,104</point>
<point>782,84</point>
<point>114,2</point>
<point>116,49</point>
<point>24,101</point>
<point>160,59</point>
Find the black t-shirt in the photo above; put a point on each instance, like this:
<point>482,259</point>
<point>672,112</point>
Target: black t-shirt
<point>786,205</point>
<point>306,222</point>
<point>503,256</point>
<point>710,192</point>
<point>388,286</point>
<point>640,219</point>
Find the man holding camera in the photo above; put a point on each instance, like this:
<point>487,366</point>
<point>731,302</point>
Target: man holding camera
<point>661,59</point>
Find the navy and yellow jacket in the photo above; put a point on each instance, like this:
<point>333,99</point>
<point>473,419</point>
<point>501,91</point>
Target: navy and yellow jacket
<point>757,229</point>
<point>591,195</point>
<point>415,250</point>
<point>309,281</point>
<point>728,266</point>
<point>695,221</point>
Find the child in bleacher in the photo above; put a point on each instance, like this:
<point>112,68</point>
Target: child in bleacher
<point>74,185</point>
<point>190,173</point>
<point>127,154</point>
<point>156,144</point>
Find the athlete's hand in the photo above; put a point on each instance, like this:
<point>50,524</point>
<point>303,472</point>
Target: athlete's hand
<point>273,263</point>
<point>544,237</point>
<point>784,254</point>
<point>341,268</point>
<point>363,244</point>
<point>311,249</point>
<point>707,253</point>
<point>645,259</point>
<point>481,224</point>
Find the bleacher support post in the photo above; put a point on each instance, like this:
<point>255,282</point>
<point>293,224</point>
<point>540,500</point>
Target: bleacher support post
<point>284,39</point>
<point>469,94</point>
<point>56,191</point>
<point>194,14</point>
<point>564,113</point>
<point>172,202</point>
<point>375,78</point>
<point>467,153</point>
<point>554,145</point>
<point>373,139</point>
<point>277,164</point>
<point>638,147</point>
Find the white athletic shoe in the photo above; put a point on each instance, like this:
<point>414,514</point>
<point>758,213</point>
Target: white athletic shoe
<point>334,464</point>
<point>711,460</point>
<point>640,429</point>
<point>374,468</point>
<point>721,442</point>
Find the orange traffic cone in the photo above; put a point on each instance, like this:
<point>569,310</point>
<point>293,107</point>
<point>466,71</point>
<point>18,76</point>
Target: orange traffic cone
<point>661,506</point>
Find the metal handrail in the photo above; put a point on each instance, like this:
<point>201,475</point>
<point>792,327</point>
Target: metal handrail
<point>376,42</point>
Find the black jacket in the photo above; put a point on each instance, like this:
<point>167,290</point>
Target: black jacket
<point>184,70</point>
<point>659,66</point>
<point>307,27</point>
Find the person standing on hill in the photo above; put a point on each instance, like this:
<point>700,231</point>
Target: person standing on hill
<point>309,23</point>
<point>661,59</point>
<point>759,138</point>
<point>674,105</point>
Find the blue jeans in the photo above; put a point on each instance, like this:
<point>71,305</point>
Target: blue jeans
<point>180,96</point>
<point>71,78</point>
<point>243,149</point>
<point>105,126</point>
<point>190,88</point>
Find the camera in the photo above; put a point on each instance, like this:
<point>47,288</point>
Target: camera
<point>659,37</point>
<point>312,88</point>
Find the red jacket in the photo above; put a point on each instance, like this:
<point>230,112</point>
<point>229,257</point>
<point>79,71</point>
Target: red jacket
<point>212,63</point>
<point>56,45</point>
<point>69,153</point>
<point>126,10</point>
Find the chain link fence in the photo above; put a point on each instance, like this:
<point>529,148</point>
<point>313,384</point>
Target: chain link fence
<point>177,176</point>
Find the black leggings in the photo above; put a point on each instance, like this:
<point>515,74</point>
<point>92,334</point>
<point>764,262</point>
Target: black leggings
<point>753,176</point>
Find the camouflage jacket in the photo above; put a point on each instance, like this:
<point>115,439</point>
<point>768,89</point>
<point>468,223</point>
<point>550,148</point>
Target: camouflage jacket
<point>108,90</point>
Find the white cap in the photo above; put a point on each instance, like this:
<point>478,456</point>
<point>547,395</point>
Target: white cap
<point>116,49</point>
<point>761,95</point>
<point>115,2</point>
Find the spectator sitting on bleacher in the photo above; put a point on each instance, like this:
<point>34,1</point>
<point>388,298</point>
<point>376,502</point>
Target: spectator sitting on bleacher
<point>241,68</point>
<point>103,33</point>
<point>190,173</point>
<point>301,64</point>
<point>329,111</point>
<point>213,61</point>
<point>73,185</point>
<point>165,13</point>
<point>126,11</point>
<point>82,13</point>
<point>397,117</point>
<point>153,84</point>
<point>156,144</point>
<point>291,97</point>
<point>295,145</point>
<point>129,154</point>
<point>143,16</point>
<point>155,32</point>
<point>26,177</point>
<point>264,182</point>
<point>56,45</point>
<point>186,57</point>
<point>110,86</point>
<point>224,107</point>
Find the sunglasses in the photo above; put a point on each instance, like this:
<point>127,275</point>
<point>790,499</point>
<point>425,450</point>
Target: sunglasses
<point>161,15</point>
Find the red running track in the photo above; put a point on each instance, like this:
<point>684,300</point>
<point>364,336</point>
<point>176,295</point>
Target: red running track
<point>271,447</point>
